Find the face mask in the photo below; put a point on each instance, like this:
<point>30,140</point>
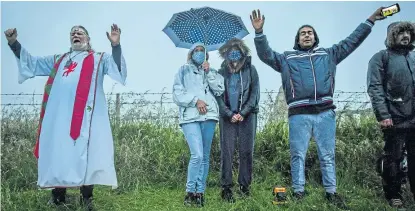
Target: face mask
<point>198,57</point>
<point>234,55</point>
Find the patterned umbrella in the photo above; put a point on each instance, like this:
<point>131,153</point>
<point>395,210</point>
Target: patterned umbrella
<point>210,26</point>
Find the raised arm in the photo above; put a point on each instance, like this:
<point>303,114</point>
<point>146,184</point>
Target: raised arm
<point>375,87</point>
<point>344,48</point>
<point>115,66</point>
<point>28,66</point>
<point>265,53</point>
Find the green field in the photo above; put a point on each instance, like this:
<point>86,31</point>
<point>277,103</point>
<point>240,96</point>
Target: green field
<point>151,161</point>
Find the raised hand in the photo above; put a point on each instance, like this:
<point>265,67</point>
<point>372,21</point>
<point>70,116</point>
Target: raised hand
<point>257,21</point>
<point>114,37</point>
<point>11,35</point>
<point>377,15</point>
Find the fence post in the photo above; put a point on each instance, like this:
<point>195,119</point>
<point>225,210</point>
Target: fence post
<point>117,108</point>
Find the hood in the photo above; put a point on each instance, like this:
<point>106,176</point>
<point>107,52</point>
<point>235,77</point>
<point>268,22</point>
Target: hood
<point>234,42</point>
<point>225,48</point>
<point>297,38</point>
<point>189,54</point>
<point>394,28</point>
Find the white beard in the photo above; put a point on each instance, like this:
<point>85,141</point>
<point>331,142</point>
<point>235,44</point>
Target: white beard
<point>80,46</point>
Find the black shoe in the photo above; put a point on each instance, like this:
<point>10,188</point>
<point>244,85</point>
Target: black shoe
<point>87,203</point>
<point>202,198</point>
<point>244,191</point>
<point>227,195</point>
<point>55,201</point>
<point>199,199</point>
<point>189,199</point>
<point>397,203</point>
<point>58,197</point>
<point>299,195</point>
<point>337,200</point>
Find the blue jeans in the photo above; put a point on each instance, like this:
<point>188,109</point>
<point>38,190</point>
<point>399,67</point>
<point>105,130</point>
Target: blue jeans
<point>199,137</point>
<point>322,127</point>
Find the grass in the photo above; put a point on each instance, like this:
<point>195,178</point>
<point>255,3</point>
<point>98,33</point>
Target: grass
<point>151,160</point>
<point>171,198</point>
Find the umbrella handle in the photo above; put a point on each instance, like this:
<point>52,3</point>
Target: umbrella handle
<point>205,57</point>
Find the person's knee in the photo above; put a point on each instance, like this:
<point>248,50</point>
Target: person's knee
<point>205,158</point>
<point>298,152</point>
<point>390,166</point>
<point>245,154</point>
<point>196,157</point>
<point>327,156</point>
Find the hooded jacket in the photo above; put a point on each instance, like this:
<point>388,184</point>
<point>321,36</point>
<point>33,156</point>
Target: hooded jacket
<point>308,76</point>
<point>250,90</point>
<point>391,79</point>
<point>191,83</point>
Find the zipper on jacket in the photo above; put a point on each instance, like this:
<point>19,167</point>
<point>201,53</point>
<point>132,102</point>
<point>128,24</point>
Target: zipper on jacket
<point>331,83</point>
<point>242,89</point>
<point>314,77</point>
<point>292,87</point>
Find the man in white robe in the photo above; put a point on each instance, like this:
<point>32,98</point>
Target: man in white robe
<point>74,146</point>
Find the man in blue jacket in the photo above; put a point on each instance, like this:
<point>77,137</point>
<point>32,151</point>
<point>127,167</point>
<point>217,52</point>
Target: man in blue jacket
<point>308,81</point>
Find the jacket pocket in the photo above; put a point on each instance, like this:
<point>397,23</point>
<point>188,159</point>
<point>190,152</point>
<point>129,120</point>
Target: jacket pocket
<point>212,107</point>
<point>400,108</point>
<point>398,91</point>
<point>190,113</point>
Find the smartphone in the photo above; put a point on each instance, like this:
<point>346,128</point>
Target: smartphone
<point>391,10</point>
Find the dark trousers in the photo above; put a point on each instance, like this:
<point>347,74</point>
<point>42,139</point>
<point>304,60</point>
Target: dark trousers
<point>392,176</point>
<point>242,133</point>
<point>60,193</point>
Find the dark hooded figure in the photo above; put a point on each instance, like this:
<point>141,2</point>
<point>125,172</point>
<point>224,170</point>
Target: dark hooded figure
<point>391,87</point>
<point>238,107</point>
<point>308,79</point>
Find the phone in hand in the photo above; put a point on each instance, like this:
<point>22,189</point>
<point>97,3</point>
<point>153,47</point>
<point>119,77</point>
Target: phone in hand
<point>391,10</point>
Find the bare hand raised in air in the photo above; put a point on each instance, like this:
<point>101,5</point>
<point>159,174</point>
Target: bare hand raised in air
<point>257,21</point>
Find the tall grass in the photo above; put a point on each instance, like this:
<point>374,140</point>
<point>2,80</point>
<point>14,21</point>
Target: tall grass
<point>153,152</point>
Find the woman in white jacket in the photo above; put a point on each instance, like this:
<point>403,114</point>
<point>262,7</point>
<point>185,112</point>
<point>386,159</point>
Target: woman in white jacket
<point>194,90</point>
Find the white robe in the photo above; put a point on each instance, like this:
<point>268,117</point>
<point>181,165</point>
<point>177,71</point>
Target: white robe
<point>89,161</point>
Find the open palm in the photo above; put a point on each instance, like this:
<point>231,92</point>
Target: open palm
<point>257,21</point>
<point>114,36</point>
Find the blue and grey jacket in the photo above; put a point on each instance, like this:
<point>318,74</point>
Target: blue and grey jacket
<point>191,83</point>
<point>308,76</point>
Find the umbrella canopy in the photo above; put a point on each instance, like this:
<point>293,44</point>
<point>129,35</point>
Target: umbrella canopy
<point>210,26</point>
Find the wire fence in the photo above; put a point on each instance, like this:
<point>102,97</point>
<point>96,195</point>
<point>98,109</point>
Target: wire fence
<point>35,98</point>
<point>159,106</point>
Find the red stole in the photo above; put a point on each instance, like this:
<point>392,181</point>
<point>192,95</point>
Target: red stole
<point>81,97</point>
